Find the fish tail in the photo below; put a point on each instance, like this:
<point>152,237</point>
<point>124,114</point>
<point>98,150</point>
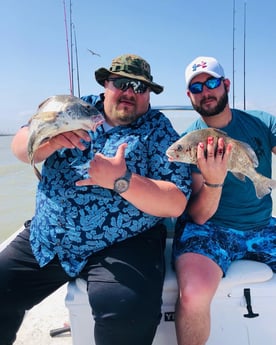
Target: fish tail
<point>263,185</point>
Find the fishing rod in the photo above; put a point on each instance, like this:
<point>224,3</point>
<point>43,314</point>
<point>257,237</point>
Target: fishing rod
<point>77,60</point>
<point>244,59</point>
<point>67,49</point>
<point>71,47</point>
<point>233,53</point>
<point>244,55</point>
<point>70,53</point>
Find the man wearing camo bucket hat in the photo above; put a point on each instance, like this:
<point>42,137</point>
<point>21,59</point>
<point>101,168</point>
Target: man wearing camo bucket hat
<point>129,66</point>
<point>105,223</point>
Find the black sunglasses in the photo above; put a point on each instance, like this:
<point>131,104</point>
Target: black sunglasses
<point>125,83</point>
<point>211,83</point>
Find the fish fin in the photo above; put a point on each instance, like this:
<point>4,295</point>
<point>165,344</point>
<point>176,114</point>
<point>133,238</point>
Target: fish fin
<point>263,185</point>
<point>33,145</point>
<point>251,153</point>
<point>37,173</point>
<point>219,131</point>
<point>43,102</point>
<point>239,175</point>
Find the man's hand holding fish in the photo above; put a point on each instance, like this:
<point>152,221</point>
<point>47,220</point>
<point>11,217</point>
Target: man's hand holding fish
<point>212,160</point>
<point>70,140</point>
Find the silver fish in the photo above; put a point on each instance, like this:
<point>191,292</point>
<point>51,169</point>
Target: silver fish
<point>241,163</point>
<point>59,114</point>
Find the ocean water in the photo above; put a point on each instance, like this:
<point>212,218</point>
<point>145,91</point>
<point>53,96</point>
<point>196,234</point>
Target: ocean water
<point>18,186</point>
<point>18,181</point>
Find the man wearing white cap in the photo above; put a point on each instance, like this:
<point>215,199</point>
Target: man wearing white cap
<point>225,220</point>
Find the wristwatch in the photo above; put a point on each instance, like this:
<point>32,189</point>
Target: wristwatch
<point>121,184</point>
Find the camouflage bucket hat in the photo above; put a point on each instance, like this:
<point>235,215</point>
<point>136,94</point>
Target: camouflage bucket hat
<point>129,66</point>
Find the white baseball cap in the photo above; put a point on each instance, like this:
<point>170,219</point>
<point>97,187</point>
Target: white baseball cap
<point>203,64</point>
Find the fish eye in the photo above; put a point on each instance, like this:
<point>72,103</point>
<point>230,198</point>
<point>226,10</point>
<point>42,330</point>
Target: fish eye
<point>179,148</point>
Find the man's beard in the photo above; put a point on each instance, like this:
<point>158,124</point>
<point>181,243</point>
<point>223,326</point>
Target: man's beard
<point>123,114</point>
<point>223,101</point>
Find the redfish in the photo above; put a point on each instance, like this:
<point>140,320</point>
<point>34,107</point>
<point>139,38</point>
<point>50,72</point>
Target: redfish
<point>242,161</point>
<point>59,114</point>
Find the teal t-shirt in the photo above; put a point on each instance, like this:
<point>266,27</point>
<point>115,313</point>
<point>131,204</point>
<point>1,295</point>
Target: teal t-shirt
<point>239,208</point>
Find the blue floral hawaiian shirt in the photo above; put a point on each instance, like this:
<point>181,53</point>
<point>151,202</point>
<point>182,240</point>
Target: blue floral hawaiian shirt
<point>74,222</point>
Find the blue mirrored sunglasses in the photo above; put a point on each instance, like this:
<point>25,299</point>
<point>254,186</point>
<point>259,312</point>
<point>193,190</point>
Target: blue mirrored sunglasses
<point>125,83</point>
<point>211,83</point>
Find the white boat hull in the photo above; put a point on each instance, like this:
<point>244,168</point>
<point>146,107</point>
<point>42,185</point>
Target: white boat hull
<point>229,307</point>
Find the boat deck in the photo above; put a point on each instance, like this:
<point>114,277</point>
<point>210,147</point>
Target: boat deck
<point>39,321</point>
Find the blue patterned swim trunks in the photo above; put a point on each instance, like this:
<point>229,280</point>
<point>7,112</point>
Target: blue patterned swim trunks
<point>225,245</point>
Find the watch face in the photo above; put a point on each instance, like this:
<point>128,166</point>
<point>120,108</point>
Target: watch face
<point>121,185</point>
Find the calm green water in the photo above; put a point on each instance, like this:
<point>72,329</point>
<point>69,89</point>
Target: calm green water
<point>18,185</point>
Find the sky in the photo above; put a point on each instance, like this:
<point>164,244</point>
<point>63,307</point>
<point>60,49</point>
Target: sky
<point>169,34</point>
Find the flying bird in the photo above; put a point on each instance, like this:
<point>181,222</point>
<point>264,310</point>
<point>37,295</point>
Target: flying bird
<point>93,53</point>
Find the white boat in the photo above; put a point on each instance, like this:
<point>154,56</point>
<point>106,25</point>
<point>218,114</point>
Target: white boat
<point>242,311</point>
<point>51,316</point>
